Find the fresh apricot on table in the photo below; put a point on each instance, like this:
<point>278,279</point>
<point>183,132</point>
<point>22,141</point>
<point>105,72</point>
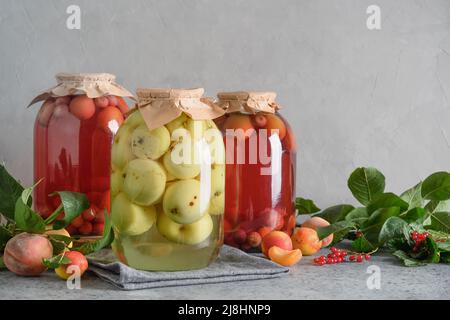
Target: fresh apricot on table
<point>318,222</point>
<point>82,107</point>
<point>284,257</point>
<point>275,238</point>
<point>275,126</point>
<point>110,119</point>
<point>306,240</point>
<point>237,122</point>
<point>24,253</point>
<point>78,263</point>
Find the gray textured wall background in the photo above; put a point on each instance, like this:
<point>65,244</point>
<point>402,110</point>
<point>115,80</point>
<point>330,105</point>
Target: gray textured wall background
<point>353,96</point>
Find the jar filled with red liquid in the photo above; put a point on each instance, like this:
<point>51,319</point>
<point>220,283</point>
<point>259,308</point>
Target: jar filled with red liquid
<point>260,168</point>
<point>73,134</point>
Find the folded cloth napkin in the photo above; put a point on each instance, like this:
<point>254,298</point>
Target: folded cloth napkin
<point>231,265</point>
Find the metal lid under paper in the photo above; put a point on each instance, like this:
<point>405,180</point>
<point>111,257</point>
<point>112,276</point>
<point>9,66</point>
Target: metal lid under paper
<point>248,101</point>
<point>160,106</point>
<point>93,85</point>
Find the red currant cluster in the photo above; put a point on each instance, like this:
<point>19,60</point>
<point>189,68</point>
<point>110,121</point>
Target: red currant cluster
<point>339,256</point>
<point>418,238</point>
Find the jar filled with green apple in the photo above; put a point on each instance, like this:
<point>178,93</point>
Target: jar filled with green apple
<point>167,182</point>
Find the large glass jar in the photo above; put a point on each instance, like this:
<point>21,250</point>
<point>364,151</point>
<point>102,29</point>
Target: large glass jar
<point>260,168</point>
<point>167,182</point>
<point>73,134</point>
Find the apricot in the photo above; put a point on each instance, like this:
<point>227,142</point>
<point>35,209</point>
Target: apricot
<point>275,123</point>
<point>113,101</point>
<point>275,238</point>
<point>317,222</point>
<point>110,119</point>
<point>86,228</point>
<point>263,231</point>
<point>77,261</point>
<point>306,240</point>
<point>239,121</point>
<point>46,112</point>
<point>24,253</point>
<point>284,257</point>
<point>82,107</point>
<point>260,120</point>
<point>97,228</point>
<point>101,102</point>
<point>254,239</point>
<point>90,213</point>
<point>77,222</point>
<point>122,105</point>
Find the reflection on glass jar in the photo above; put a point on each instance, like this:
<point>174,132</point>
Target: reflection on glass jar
<point>73,134</point>
<point>260,168</point>
<point>167,187</point>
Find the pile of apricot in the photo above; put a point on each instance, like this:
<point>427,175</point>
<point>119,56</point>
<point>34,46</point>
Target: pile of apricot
<point>107,110</point>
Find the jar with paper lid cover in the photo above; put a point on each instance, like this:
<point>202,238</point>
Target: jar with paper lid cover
<point>73,134</point>
<point>167,182</point>
<point>260,168</point>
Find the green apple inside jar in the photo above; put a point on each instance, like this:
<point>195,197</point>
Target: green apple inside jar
<point>167,182</point>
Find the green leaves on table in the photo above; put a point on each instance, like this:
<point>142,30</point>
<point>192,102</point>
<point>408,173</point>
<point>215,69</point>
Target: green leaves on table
<point>387,219</point>
<point>27,219</point>
<point>56,261</point>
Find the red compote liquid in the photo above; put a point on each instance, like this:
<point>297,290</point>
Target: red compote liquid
<point>260,186</point>
<point>72,152</point>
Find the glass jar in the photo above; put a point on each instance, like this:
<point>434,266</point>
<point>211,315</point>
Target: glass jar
<point>167,182</point>
<point>73,134</point>
<point>260,168</point>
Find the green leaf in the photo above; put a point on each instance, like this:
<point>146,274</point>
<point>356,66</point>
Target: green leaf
<point>361,244</point>
<point>365,184</point>
<point>74,204</point>
<point>435,206</point>
<point>335,213</point>
<point>108,237</point>
<point>59,243</point>
<point>56,261</point>
<point>305,206</point>
<point>434,255</point>
<point>5,235</point>
<point>394,228</point>
<point>445,257</point>
<point>10,191</point>
<point>443,246</point>
<point>386,200</point>
<point>26,219</point>
<point>2,263</point>
<point>440,221</point>
<point>372,227</point>
<point>357,215</point>
<point>413,196</point>
<point>437,186</point>
<point>338,227</point>
<point>407,260</point>
<point>413,215</point>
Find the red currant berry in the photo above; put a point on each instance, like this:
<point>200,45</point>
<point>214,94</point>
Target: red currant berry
<point>334,249</point>
<point>330,261</point>
<point>367,257</point>
<point>352,258</point>
<point>359,258</point>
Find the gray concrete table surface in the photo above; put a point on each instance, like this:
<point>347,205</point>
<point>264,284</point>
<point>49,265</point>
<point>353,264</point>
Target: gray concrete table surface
<point>304,281</point>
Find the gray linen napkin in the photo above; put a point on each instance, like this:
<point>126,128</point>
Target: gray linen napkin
<point>231,265</point>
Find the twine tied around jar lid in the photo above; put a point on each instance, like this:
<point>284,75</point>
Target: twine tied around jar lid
<point>248,101</point>
<point>160,106</point>
<point>93,85</point>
